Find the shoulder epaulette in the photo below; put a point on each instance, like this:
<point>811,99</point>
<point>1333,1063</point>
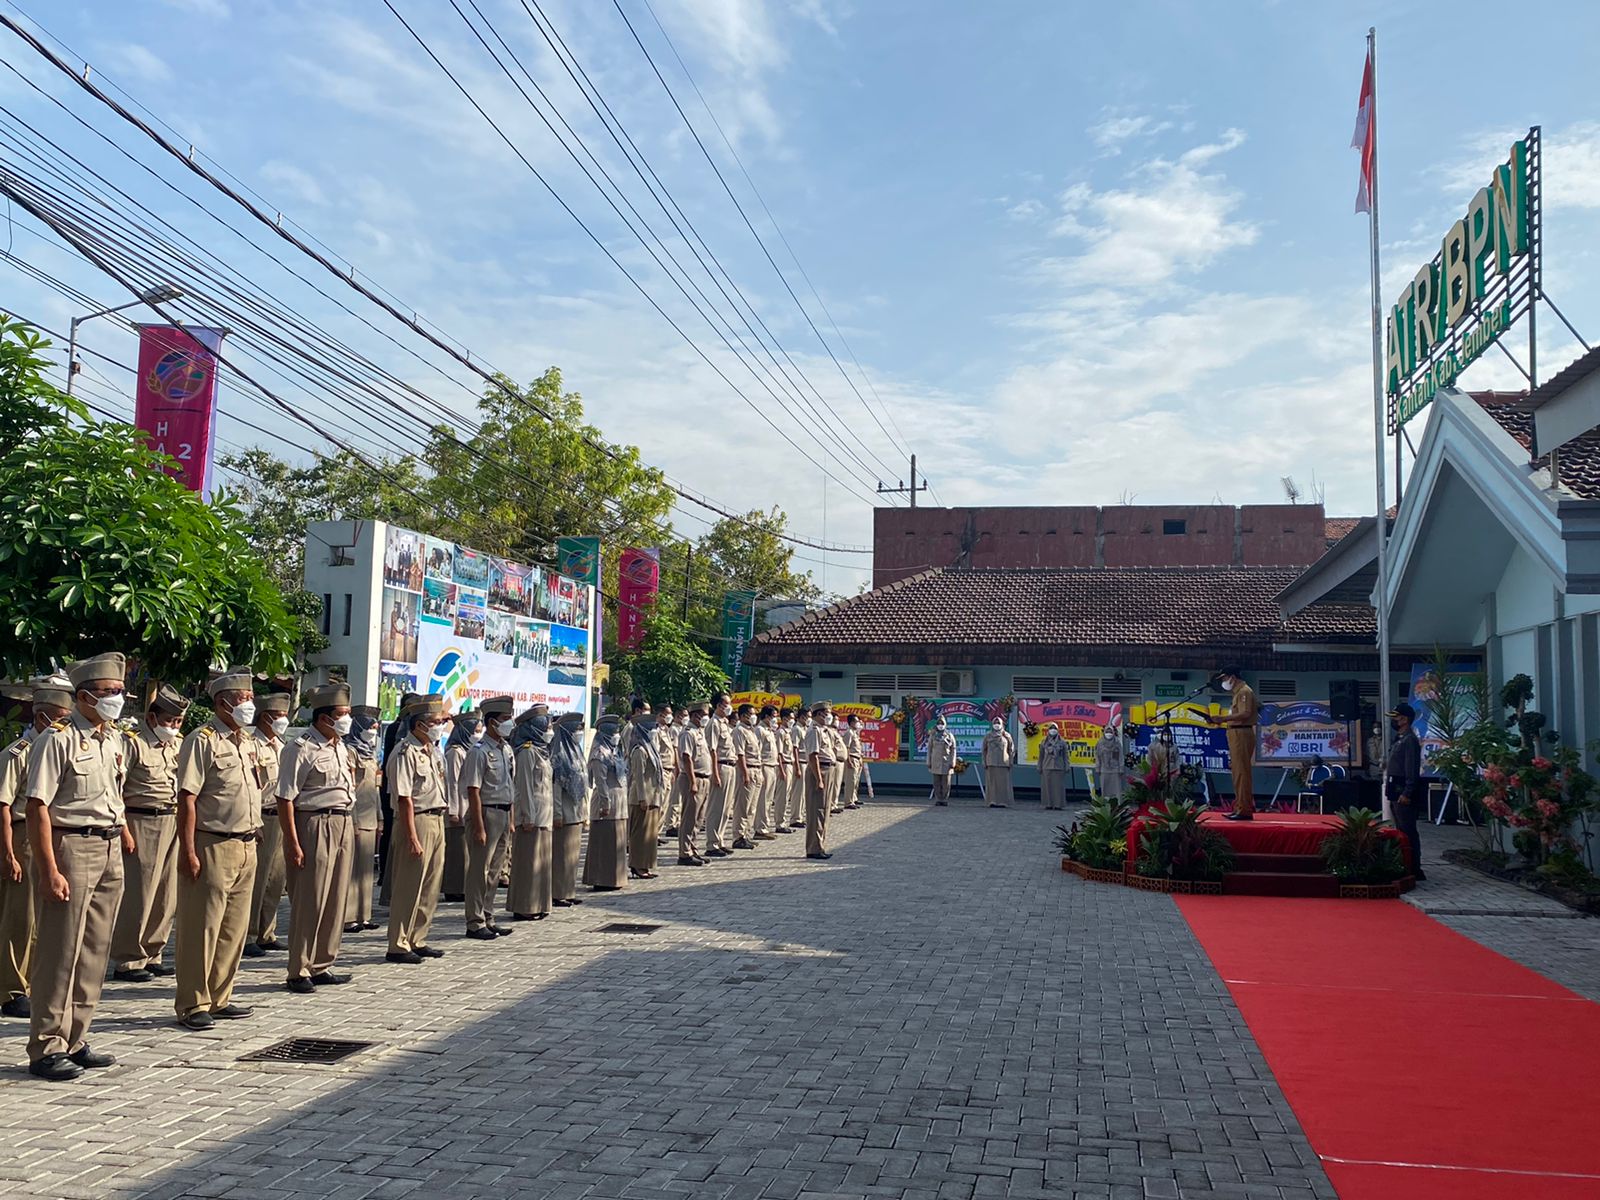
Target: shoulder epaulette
<point>17,748</point>
<point>61,724</point>
<point>207,731</point>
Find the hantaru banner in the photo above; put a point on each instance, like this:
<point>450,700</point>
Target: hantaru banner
<point>175,398</point>
<point>638,580</point>
<point>738,624</point>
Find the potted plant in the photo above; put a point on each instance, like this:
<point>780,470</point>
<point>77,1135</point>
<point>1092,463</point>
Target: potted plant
<point>1098,840</point>
<point>1360,851</point>
<point>1174,845</point>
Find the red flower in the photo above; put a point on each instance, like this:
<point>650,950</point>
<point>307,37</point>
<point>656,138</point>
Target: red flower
<point>1544,764</point>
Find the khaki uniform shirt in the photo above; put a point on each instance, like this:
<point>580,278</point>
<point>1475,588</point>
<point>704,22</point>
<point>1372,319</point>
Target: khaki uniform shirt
<point>269,751</point>
<point>719,739</point>
<point>667,747</point>
<point>317,774</point>
<point>532,788</point>
<point>817,745</point>
<point>998,749</point>
<point>416,772</point>
<point>769,745</point>
<point>609,797</point>
<point>77,772</point>
<point>747,745</point>
<point>942,753</point>
<point>152,782</point>
<point>1053,754</point>
<point>840,746</point>
<point>14,773</point>
<point>455,799</point>
<point>692,743</point>
<point>852,745</point>
<point>367,815</point>
<point>227,773</point>
<point>487,768</point>
<point>644,789</point>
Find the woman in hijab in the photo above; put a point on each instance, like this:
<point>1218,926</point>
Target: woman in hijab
<point>468,729</point>
<point>1053,766</point>
<point>999,754</point>
<point>366,819</point>
<point>647,781</point>
<point>605,867</point>
<point>532,811</point>
<point>1110,763</point>
<point>570,788</point>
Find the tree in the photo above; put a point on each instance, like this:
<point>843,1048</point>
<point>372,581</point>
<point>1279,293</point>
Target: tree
<point>666,666</point>
<point>102,549</point>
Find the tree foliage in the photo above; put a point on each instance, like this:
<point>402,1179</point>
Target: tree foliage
<point>667,666</point>
<point>102,549</point>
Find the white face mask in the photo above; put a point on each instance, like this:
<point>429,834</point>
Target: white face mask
<point>941,726</point>
<point>439,732</point>
<point>165,734</point>
<point>477,734</point>
<point>749,718</point>
<point>279,726</point>
<point>504,728</point>
<point>995,725</point>
<point>109,708</point>
<point>1227,685</point>
<point>244,713</point>
<point>1052,732</point>
<point>343,725</point>
<point>369,738</point>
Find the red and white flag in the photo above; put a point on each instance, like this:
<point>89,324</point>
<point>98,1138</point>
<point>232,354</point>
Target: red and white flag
<point>1366,137</point>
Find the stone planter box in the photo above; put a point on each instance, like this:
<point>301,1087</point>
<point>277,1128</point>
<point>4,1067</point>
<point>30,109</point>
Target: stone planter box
<point>1375,891</point>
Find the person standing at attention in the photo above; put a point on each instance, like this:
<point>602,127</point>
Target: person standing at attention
<point>999,756</point>
<point>942,757</point>
<point>1403,783</point>
<point>485,782</point>
<point>415,771</point>
<point>1053,765</point>
<point>271,723</point>
<point>1241,726</point>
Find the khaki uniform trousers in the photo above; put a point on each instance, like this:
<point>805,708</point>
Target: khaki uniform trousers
<point>267,892</point>
<point>694,798</point>
<point>317,891</point>
<point>849,784</point>
<point>797,796</point>
<point>485,865</point>
<point>213,921</point>
<point>72,942</point>
<point>941,787</point>
<point>723,797</point>
<point>149,892</point>
<point>763,815</point>
<point>358,897</point>
<point>835,781</point>
<point>16,920</point>
<point>1242,758</point>
<point>747,794</point>
<point>817,811</point>
<point>416,884</point>
<point>674,807</point>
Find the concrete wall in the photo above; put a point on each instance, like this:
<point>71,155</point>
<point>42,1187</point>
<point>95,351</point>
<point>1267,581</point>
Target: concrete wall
<point>906,540</point>
<point>343,567</point>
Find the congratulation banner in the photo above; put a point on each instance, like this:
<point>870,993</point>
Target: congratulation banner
<point>1081,722</point>
<point>1300,731</point>
<point>968,720</point>
<point>638,581</point>
<point>760,700</point>
<point>579,558</point>
<point>880,736</point>
<point>1197,741</point>
<point>1425,688</point>
<point>738,624</point>
<point>175,398</point>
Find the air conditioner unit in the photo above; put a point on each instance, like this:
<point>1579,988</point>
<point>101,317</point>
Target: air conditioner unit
<point>958,683</point>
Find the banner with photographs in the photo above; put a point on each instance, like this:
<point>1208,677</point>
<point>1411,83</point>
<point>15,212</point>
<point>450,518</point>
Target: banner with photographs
<point>470,625</point>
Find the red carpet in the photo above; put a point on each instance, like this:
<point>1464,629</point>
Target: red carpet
<point>1267,833</point>
<point>1419,1064</point>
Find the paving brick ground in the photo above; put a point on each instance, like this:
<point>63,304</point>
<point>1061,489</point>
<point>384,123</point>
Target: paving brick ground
<point>937,1013</point>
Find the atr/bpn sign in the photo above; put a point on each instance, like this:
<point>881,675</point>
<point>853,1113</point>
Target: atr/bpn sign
<point>1483,278</point>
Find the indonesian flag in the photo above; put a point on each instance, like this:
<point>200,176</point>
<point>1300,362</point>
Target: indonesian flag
<point>1366,137</point>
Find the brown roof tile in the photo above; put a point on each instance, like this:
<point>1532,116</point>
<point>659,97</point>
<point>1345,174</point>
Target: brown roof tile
<point>1154,615</point>
<point>1580,458</point>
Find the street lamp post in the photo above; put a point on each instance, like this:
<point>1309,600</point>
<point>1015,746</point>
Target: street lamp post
<point>161,293</point>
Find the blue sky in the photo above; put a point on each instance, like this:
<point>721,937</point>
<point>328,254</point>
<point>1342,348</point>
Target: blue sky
<point>1084,252</point>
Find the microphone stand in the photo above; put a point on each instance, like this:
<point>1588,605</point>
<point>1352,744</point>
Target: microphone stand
<point>1163,716</point>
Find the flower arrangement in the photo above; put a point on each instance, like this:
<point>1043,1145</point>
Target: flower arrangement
<point>1359,852</point>
<point>960,767</point>
<point>1030,729</point>
<point>1100,838</point>
<point>1174,845</point>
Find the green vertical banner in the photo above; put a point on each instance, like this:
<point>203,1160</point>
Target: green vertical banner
<point>738,625</point>
<point>579,558</point>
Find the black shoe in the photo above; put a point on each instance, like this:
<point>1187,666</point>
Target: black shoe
<point>253,950</point>
<point>271,947</point>
<point>539,916</point>
<point>562,903</point>
<point>798,825</point>
<point>427,952</point>
<point>691,862</point>
<point>820,856</point>
<point>159,969</point>
<point>499,932</point>
<point>454,897</point>
<point>17,1006</point>
<point>132,975</point>
<point>233,1012</point>
<point>89,1058</point>
<point>300,986</point>
<point>670,833</point>
<point>1239,816</point>
<point>482,934</point>
<point>368,926</point>
<point>402,956</point>
<point>783,829</point>
<point>744,844</point>
<point>576,900</point>
<point>526,916</point>
<point>941,804</point>
<point>354,927</point>
<point>198,1019</point>
<point>328,979</point>
<point>57,1068</point>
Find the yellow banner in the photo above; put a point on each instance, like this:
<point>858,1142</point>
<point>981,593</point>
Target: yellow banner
<point>778,700</point>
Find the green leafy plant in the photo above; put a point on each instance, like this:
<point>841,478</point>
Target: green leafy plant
<point>1099,838</point>
<point>1174,845</point>
<point>1361,851</point>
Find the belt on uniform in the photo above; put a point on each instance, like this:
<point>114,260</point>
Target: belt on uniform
<point>229,837</point>
<point>270,812</point>
<point>727,762</point>
<point>500,807</point>
<point>100,831</point>
<point>153,812</point>
<point>702,774</point>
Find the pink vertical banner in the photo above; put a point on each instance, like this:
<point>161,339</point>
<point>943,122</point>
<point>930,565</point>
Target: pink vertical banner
<point>638,580</point>
<point>175,398</point>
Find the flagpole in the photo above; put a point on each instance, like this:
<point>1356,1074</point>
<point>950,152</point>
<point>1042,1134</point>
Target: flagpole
<point>1385,693</point>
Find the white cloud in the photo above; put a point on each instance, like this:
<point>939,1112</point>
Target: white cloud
<point>1176,218</point>
<point>130,60</point>
<point>1571,165</point>
<point>291,179</point>
<point>1112,132</point>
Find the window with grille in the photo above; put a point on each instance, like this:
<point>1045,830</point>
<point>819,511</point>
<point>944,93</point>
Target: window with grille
<point>919,683</point>
<point>875,683</point>
<point>1122,689</point>
<point>1042,686</point>
<point>1277,689</point>
<point>1079,686</point>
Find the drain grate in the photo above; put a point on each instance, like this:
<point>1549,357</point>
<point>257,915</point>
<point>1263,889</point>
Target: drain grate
<point>307,1050</point>
<point>628,927</point>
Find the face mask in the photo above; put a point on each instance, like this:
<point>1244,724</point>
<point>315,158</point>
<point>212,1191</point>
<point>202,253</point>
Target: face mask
<point>477,734</point>
<point>109,708</point>
<point>369,738</point>
<point>343,725</point>
<point>439,732</point>
<point>749,718</point>
<point>504,728</point>
<point>1227,685</point>
<point>724,709</point>
<point>279,725</point>
<point>697,720</point>
<point>1052,732</point>
<point>940,727</point>
<point>995,725</point>
<point>244,713</point>
<point>165,734</point>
